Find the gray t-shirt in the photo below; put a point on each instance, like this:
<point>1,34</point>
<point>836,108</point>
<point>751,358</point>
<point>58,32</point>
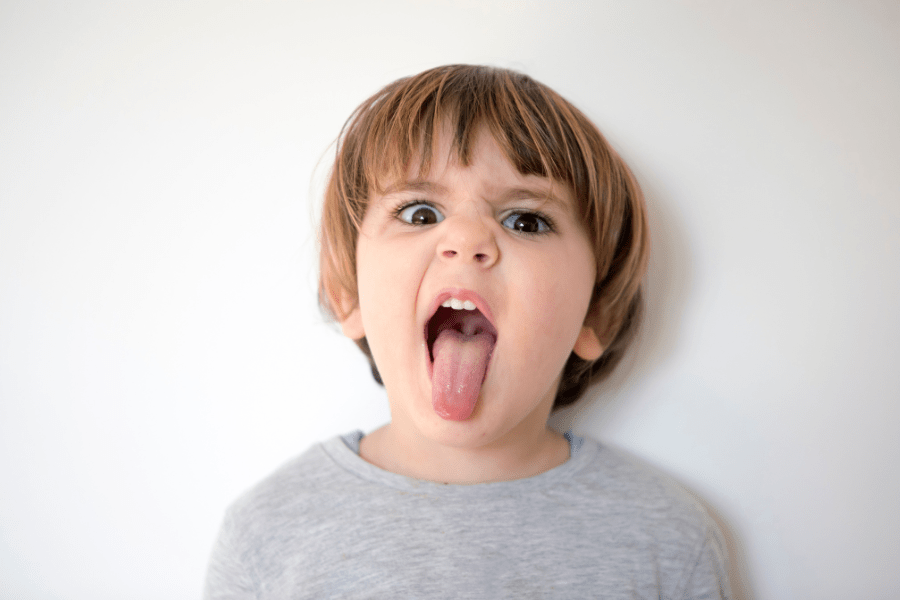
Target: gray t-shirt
<point>330,525</point>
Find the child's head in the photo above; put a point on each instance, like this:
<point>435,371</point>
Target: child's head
<point>397,131</point>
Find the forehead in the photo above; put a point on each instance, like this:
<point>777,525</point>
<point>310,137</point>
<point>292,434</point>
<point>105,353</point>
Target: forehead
<point>433,172</point>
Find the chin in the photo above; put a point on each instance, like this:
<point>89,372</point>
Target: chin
<point>476,431</point>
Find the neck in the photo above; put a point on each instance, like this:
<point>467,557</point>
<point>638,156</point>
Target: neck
<point>513,457</point>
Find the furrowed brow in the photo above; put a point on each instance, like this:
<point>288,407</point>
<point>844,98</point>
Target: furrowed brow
<point>542,195</point>
<point>423,187</point>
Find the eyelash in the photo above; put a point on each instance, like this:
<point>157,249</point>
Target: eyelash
<point>398,212</point>
<point>546,221</point>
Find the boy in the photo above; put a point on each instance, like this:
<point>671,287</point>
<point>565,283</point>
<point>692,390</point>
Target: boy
<point>484,246</point>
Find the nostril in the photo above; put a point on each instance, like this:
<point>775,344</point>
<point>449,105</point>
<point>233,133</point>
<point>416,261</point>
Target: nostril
<point>481,257</point>
<point>449,253</point>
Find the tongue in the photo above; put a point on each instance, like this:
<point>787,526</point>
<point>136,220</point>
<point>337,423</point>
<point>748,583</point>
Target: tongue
<point>460,362</point>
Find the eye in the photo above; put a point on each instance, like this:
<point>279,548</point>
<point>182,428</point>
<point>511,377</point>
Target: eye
<point>419,213</point>
<point>528,223</point>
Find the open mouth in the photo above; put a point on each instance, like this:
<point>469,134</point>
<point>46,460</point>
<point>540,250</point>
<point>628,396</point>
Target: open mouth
<point>460,340</point>
<point>465,322</point>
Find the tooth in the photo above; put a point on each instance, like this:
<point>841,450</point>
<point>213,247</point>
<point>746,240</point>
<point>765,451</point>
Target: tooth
<point>446,303</point>
<point>468,305</point>
<point>456,304</point>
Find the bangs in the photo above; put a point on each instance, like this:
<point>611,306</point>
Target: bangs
<point>536,129</point>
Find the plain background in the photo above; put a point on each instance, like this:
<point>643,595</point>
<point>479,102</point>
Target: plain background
<point>160,345</point>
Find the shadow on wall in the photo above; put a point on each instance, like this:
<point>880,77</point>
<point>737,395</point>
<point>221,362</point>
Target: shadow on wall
<point>666,287</point>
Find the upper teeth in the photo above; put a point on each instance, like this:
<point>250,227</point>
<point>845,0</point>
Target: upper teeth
<point>457,304</point>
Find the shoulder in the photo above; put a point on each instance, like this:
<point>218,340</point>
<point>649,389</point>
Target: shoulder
<point>613,476</point>
<point>280,522</point>
<point>650,517</point>
<point>278,517</point>
<point>294,487</point>
<point>616,491</point>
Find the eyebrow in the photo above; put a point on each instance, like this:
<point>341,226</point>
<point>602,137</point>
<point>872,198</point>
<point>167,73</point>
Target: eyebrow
<point>543,195</point>
<point>428,187</point>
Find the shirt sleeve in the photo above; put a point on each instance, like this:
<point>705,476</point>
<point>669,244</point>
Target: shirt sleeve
<point>709,578</point>
<point>229,576</point>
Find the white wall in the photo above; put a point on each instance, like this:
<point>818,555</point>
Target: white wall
<point>160,347</point>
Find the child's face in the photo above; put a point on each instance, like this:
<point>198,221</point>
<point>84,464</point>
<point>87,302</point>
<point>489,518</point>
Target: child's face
<point>487,234</point>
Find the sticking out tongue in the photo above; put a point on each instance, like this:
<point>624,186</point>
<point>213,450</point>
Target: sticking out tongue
<point>461,353</point>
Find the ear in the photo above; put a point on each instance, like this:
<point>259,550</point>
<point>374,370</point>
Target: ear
<point>351,323</point>
<point>588,346</point>
<point>591,344</point>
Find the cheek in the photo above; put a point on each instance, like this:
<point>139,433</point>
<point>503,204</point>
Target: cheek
<point>561,284</point>
<point>565,290</point>
<point>553,299</point>
<point>384,271</point>
<point>373,300</point>
<point>388,280</point>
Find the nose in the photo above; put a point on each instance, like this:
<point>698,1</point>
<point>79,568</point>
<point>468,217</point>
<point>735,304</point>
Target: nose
<point>468,239</point>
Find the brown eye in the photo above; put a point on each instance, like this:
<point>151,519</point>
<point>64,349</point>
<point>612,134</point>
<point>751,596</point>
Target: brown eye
<point>527,223</point>
<point>420,214</point>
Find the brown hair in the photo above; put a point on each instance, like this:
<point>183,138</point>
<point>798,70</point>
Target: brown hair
<point>541,134</point>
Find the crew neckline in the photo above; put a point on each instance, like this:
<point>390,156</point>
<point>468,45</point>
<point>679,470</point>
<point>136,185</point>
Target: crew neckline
<point>344,451</point>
